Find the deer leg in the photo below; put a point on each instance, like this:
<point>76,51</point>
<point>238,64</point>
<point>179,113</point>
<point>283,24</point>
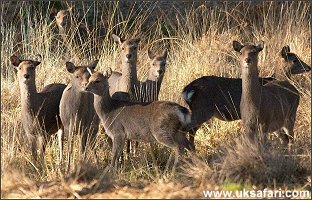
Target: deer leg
<point>192,134</point>
<point>93,142</point>
<point>136,148</point>
<point>33,142</point>
<point>164,137</point>
<point>84,140</point>
<point>128,149</point>
<point>60,139</point>
<point>70,148</point>
<point>183,142</point>
<point>42,141</point>
<point>118,145</point>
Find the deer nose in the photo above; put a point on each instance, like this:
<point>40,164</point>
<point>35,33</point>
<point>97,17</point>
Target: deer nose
<point>84,84</point>
<point>26,76</point>
<point>248,60</point>
<point>128,56</point>
<point>160,71</point>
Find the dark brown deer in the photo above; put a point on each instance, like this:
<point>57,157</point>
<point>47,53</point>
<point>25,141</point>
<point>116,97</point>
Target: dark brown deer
<point>76,108</point>
<point>40,110</point>
<point>212,96</point>
<point>292,65</point>
<point>159,121</point>
<point>265,108</point>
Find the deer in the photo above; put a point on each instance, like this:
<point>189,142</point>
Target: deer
<point>76,108</point>
<point>265,108</point>
<point>149,89</point>
<point>160,121</point>
<point>40,110</point>
<point>74,32</point>
<point>220,97</point>
<point>122,84</point>
<point>292,65</point>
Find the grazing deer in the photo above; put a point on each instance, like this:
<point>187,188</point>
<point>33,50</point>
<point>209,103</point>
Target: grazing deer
<point>40,110</point>
<point>266,108</point>
<point>159,121</point>
<point>122,84</point>
<point>76,108</point>
<point>212,96</point>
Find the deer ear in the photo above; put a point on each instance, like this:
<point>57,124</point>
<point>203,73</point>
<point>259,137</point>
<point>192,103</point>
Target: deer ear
<point>15,60</point>
<point>37,57</point>
<point>108,73</point>
<point>94,64</point>
<point>237,46</point>
<point>260,46</point>
<point>70,67</point>
<point>165,54</point>
<point>284,51</point>
<point>117,39</point>
<point>150,54</point>
<point>36,63</point>
<point>136,39</point>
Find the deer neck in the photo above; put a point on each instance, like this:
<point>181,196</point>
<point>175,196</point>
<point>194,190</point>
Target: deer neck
<point>29,98</point>
<point>153,87</point>
<point>28,95</point>
<point>129,77</point>
<point>103,104</point>
<point>251,89</point>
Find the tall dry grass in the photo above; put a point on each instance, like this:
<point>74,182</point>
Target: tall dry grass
<point>198,37</point>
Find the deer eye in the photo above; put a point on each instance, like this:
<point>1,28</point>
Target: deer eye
<point>123,48</point>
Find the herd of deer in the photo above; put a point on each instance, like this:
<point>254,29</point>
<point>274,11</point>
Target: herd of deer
<point>111,98</point>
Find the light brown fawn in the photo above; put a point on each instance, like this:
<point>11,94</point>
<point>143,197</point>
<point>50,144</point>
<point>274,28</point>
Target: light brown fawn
<point>265,108</point>
<point>40,110</point>
<point>160,121</point>
<point>220,97</point>
<point>76,108</point>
